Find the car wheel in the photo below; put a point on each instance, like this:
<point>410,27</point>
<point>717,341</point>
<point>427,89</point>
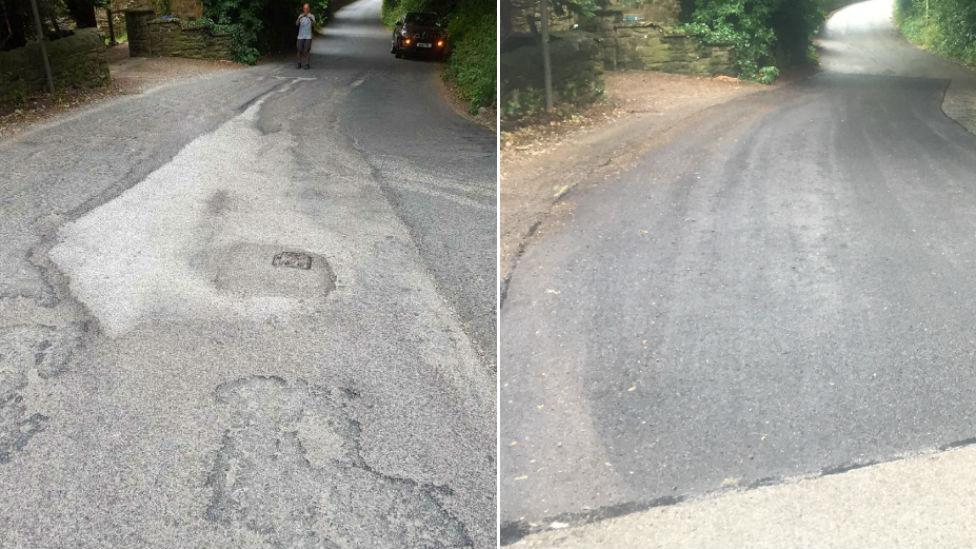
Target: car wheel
<point>398,54</point>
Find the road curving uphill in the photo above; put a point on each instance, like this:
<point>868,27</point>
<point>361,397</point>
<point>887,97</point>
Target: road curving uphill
<point>784,287</point>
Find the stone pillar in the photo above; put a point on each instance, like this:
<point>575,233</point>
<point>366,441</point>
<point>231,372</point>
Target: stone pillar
<point>137,26</point>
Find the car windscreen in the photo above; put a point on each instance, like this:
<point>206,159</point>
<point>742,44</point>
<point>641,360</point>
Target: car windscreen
<point>424,19</point>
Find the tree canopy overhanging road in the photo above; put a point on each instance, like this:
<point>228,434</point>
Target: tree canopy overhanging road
<point>785,288</point>
<point>255,309</point>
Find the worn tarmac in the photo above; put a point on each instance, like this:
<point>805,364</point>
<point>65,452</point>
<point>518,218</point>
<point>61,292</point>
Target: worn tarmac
<point>164,384</point>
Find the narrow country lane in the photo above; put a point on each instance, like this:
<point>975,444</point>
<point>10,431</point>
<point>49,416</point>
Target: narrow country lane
<point>786,287</point>
<point>169,378</point>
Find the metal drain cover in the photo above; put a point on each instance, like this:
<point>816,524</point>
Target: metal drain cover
<point>293,260</point>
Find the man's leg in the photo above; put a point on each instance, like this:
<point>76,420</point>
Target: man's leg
<point>299,48</point>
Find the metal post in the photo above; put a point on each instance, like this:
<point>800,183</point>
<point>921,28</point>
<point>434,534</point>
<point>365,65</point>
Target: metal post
<point>40,39</point>
<point>546,61</point>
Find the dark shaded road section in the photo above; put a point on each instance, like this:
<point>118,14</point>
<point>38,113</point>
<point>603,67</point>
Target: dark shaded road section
<point>437,168</point>
<point>786,288</point>
<point>252,310</point>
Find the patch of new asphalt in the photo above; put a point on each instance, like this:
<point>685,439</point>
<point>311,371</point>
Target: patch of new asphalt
<point>784,289</point>
<point>162,384</point>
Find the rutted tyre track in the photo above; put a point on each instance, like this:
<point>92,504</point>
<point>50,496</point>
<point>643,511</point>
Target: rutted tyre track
<point>758,300</point>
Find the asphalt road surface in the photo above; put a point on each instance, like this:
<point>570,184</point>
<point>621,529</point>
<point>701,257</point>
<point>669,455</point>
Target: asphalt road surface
<point>785,288</point>
<point>252,310</point>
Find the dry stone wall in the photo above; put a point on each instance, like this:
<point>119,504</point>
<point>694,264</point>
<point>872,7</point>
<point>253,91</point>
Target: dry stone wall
<point>644,46</point>
<point>151,36</point>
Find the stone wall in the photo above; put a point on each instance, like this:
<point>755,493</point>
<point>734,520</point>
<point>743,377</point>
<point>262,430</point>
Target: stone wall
<point>525,19</point>
<point>657,49</point>
<point>150,36</point>
<point>659,11</point>
<point>186,9</point>
<point>637,36</point>
<point>77,61</point>
<point>118,8</point>
<point>640,45</point>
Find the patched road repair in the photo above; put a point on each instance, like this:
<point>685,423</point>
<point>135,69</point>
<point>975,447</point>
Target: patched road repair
<point>243,311</point>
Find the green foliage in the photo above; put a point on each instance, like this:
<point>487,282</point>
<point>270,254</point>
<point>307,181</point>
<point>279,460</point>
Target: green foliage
<point>520,103</point>
<point>320,8</point>
<point>947,27</point>
<point>831,5</point>
<point>471,30</point>
<point>393,10</point>
<point>576,83</point>
<point>242,18</point>
<point>13,94</point>
<point>210,25</point>
<point>577,74</point>
<point>763,34</point>
<point>258,26</point>
<point>767,75</point>
<point>120,38</point>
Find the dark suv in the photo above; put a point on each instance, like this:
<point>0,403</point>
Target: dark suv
<point>419,33</point>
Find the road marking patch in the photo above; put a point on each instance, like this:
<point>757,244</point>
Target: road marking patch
<point>163,248</point>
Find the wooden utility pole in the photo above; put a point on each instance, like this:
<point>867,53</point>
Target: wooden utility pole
<point>40,40</point>
<point>546,61</point>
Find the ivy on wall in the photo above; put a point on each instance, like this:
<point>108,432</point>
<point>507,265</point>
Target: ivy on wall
<point>765,35</point>
<point>259,26</point>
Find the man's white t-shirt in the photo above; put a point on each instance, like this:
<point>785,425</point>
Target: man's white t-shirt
<point>305,22</point>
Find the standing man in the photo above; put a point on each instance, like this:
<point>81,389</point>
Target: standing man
<point>305,23</point>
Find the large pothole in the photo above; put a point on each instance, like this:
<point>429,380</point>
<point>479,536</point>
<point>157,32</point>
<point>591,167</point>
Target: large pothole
<point>261,270</point>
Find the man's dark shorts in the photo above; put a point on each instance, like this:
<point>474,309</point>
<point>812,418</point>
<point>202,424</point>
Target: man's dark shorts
<point>304,45</point>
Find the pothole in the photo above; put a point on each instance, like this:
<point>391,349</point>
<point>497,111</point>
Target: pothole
<point>257,270</point>
<point>294,260</point>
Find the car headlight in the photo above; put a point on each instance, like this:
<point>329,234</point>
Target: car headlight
<point>440,43</point>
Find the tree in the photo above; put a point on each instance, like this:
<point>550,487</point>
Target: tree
<point>543,8</point>
<point>946,26</point>
<point>83,12</point>
<point>15,27</point>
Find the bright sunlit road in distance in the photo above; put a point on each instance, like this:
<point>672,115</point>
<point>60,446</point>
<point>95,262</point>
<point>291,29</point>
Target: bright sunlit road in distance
<point>862,17</point>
